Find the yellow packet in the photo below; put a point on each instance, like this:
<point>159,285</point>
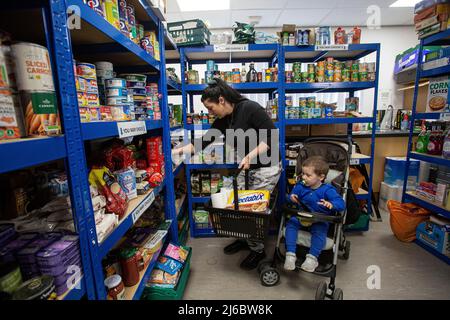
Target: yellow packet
<point>250,200</point>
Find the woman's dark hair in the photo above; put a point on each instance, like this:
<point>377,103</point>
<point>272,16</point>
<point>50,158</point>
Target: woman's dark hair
<point>217,88</point>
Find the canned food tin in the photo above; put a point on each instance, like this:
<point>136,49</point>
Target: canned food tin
<point>209,76</point>
<point>11,116</point>
<point>312,77</point>
<point>305,76</point>
<point>311,68</point>
<point>260,76</point>
<point>210,65</point>
<point>315,113</point>
<point>371,67</point>
<point>121,113</point>
<point>91,86</point>
<point>268,75</point>
<point>86,70</point>
<point>328,112</point>
<point>236,76</point>
<point>288,75</point>
<point>105,74</point>
<point>355,76</point>
<point>134,77</point>
<point>363,67</point>
<point>116,101</point>
<point>289,101</point>
<point>311,102</point>
<point>82,99</point>
<point>337,76</point>
<point>112,13</point>
<point>92,100</point>
<point>355,67</point>
<point>116,83</point>
<point>137,91</point>
<point>371,76</point>
<point>116,92</point>
<point>346,75</point>
<point>32,67</point>
<point>302,102</point>
<point>85,114</point>
<point>135,84</point>
<point>329,75</point>
<point>303,113</point>
<point>6,75</point>
<point>228,77</point>
<point>363,76</point>
<point>95,114</point>
<point>80,84</point>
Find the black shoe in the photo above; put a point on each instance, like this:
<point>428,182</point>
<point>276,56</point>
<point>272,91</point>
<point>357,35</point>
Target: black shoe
<point>252,260</point>
<point>236,246</point>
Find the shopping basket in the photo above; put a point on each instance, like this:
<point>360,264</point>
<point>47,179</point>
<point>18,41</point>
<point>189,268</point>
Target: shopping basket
<point>241,224</point>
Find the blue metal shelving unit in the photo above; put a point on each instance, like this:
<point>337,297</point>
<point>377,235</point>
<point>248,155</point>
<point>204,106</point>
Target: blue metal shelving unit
<point>63,45</point>
<point>276,54</point>
<point>442,38</point>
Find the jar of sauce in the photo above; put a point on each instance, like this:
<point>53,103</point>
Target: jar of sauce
<point>116,288</point>
<point>129,261</point>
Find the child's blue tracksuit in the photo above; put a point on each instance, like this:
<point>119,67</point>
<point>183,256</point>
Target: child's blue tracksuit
<point>310,198</point>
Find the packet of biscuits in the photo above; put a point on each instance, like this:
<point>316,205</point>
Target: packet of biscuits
<point>250,200</point>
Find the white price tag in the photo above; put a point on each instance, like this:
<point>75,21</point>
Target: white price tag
<point>331,47</point>
<point>354,162</point>
<point>131,128</point>
<point>292,163</point>
<point>137,213</point>
<point>445,116</point>
<point>230,47</point>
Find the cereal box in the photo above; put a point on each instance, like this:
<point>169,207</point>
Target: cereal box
<point>437,95</point>
<point>250,200</point>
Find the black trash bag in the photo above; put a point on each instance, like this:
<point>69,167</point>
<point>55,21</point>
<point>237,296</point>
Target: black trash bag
<point>353,209</point>
<point>244,33</point>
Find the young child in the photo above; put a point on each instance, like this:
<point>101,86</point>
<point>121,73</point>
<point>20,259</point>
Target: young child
<point>316,196</point>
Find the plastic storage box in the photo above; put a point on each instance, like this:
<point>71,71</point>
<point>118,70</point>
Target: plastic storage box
<point>171,294</point>
<point>394,171</point>
<point>189,32</point>
<point>434,236</point>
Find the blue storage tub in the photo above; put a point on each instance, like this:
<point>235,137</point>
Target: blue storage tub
<point>434,236</point>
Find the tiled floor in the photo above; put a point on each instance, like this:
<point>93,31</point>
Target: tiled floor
<point>407,271</point>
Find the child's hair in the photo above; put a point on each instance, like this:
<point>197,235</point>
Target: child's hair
<point>318,163</point>
<point>218,88</point>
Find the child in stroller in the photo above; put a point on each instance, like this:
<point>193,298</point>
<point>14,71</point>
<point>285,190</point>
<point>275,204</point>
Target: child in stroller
<point>315,196</point>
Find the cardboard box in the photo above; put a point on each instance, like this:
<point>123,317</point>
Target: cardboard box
<point>425,4</point>
<point>297,131</point>
<point>432,11</point>
<point>437,95</point>
<point>328,130</point>
<point>443,17</point>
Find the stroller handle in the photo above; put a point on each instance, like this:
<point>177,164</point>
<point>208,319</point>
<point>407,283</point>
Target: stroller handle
<point>347,140</point>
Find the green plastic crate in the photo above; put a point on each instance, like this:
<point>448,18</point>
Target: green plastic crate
<point>362,224</point>
<point>171,294</point>
<point>189,33</point>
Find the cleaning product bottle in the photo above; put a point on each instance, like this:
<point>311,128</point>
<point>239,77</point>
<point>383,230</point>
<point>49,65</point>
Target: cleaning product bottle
<point>446,146</point>
<point>423,139</point>
<point>405,123</point>
<point>243,73</point>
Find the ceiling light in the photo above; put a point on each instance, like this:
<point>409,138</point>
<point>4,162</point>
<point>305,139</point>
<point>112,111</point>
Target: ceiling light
<point>203,5</point>
<point>404,3</point>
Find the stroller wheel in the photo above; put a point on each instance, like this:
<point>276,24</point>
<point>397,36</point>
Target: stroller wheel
<point>346,254</point>
<point>263,264</point>
<point>338,294</point>
<point>321,291</point>
<point>269,276</point>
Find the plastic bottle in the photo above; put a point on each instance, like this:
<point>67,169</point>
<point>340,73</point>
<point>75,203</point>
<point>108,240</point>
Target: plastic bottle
<point>405,123</point>
<point>252,75</point>
<point>436,141</point>
<point>423,139</point>
<point>243,73</point>
<point>446,146</point>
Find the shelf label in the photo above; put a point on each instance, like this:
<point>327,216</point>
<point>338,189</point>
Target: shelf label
<point>445,116</point>
<point>143,206</point>
<point>131,128</point>
<point>332,47</point>
<point>354,162</point>
<point>230,47</point>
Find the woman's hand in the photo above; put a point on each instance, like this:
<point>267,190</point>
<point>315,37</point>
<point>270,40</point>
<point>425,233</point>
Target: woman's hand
<point>326,204</point>
<point>245,163</point>
<point>294,199</point>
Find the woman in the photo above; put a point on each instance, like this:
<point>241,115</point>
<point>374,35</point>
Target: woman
<point>235,112</point>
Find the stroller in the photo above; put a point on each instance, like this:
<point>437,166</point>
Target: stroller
<point>337,153</point>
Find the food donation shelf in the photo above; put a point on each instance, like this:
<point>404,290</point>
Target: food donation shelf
<point>250,216</point>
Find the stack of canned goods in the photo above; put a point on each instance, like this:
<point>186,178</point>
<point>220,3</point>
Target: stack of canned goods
<point>137,92</point>
<point>105,71</point>
<point>308,108</point>
<point>122,16</point>
<point>153,110</point>
<point>331,70</point>
<point>272,109</point>
<point>87,92</point>
<point>118,99</point>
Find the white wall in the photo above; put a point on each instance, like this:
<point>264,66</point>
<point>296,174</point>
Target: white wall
<point>393,40</point>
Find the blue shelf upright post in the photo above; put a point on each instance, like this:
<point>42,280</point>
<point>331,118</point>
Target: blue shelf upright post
<point>282,120</point>
<point>56,25</point>
<point>169,198</point>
